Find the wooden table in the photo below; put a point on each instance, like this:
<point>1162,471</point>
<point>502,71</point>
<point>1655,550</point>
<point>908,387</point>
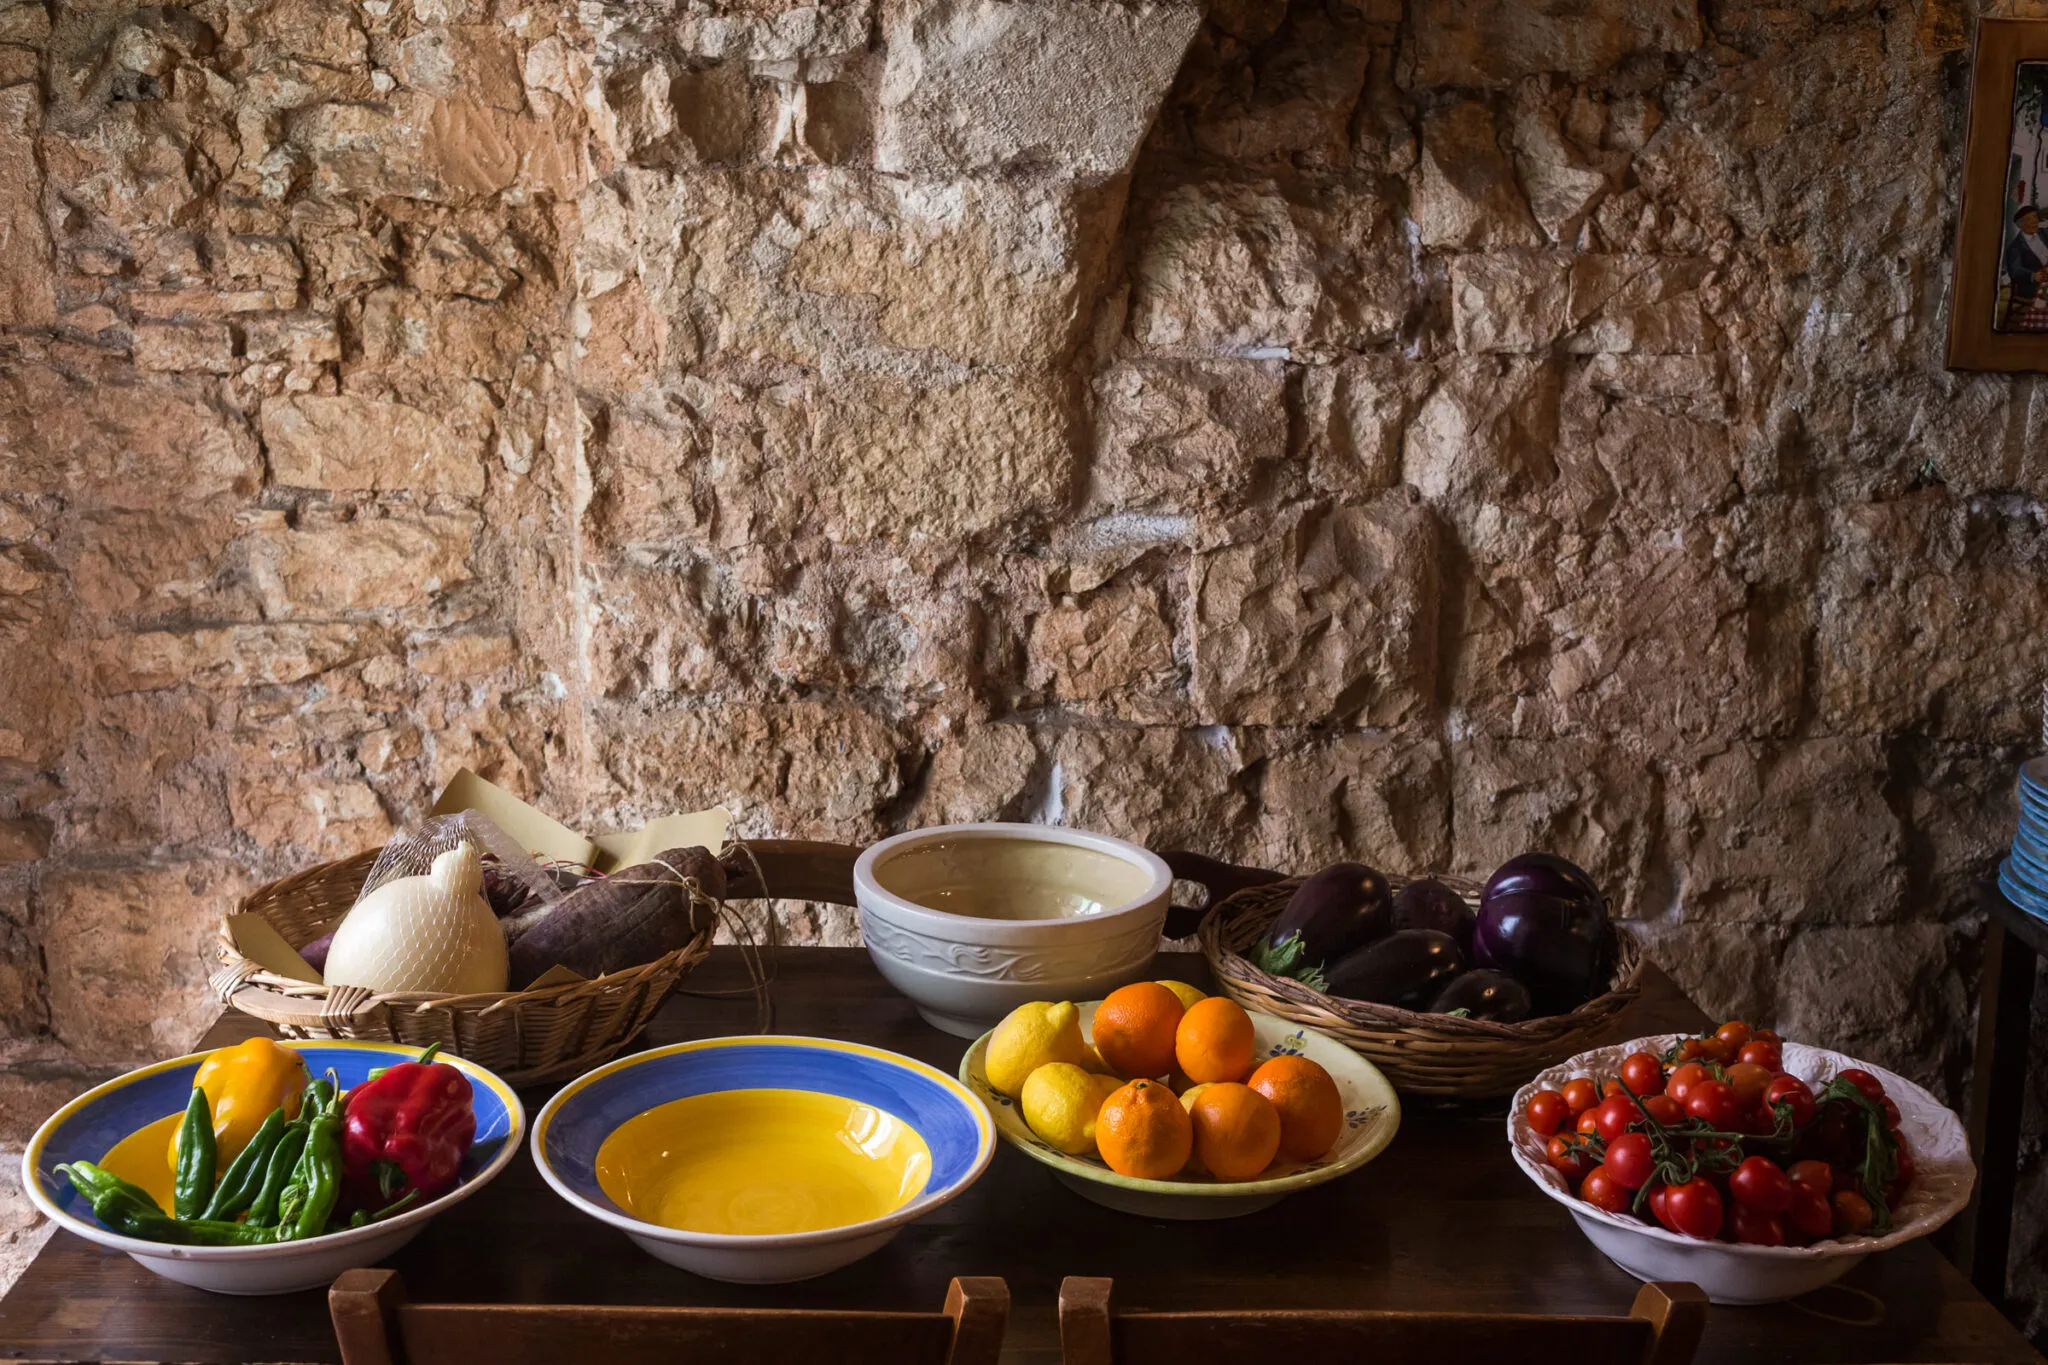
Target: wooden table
<point>1443,1219</point>
<point>2014,943</point>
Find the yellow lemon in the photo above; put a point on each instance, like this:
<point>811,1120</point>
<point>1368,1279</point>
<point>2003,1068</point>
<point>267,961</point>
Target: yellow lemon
<point>1188,994</point>
<point>1060,1102</point>
<point>1092,1060</point>
<point>1030,1037</point>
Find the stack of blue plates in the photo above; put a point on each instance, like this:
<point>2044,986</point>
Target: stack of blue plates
<point>2023,876</point>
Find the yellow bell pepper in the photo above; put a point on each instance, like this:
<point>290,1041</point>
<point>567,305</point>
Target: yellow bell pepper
<point>243,1084</point>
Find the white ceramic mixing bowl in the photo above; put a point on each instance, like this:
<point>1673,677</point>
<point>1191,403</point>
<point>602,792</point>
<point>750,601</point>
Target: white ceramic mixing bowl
<point>971,921</point>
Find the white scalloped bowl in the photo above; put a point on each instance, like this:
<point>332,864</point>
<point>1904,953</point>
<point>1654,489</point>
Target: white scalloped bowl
<point>1734,1274</point>
<point>971,921</point>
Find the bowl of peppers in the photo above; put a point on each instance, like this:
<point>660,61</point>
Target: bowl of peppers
<point>268,1167</point>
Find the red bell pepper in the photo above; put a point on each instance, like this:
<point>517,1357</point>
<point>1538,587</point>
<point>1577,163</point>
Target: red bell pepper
<point>406,1128</point>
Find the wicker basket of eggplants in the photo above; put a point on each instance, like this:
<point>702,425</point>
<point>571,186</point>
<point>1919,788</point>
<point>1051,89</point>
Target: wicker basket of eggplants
<point>1453,987</point>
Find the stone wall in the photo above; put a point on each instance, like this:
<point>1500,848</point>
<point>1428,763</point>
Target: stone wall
<point>1285,429</point>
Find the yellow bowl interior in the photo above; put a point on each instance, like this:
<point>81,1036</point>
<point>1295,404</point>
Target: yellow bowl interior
<point>762,1162</point>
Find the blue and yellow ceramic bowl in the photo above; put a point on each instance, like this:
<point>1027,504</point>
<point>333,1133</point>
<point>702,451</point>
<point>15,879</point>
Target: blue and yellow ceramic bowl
<point>762,1160</point>
<point>88,1127</point>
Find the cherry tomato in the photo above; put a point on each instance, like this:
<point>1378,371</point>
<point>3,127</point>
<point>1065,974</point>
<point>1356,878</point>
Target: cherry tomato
<point>1817,1176</point>
<point>1714,1050</point>
<point>1907,1166</point>
<point>1769,1056</point>
<point>1614,1116</point>
<point>1611,1089</point>
<point>1891,1112</point>
<point>1547,1112</point>
<point>1714,1103</point>
<point>1753,1227</point>
<point>1795,1092</point>
<point>1570,1159</point>
<point>1586,1123</point>
<point>1664,1109</point>
<point>1733,1035</point>
<point>1643,1074</point>
<point>1659,1203</point>
<point>1581,1094</point>
<point>1811,1217</point>
<point>1682,1079</point>
<point>1750,1082</point>
<point>1863,1081</point>
<point>1852,1213</point>
<point>1695,1208</point>
<point>1766,1035</point>
<point>1760,1183</point>
<point>1603,1191</point>
<point>1630,1161</point>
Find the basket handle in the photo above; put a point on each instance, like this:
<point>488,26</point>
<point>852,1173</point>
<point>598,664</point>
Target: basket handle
<point>1218,878</point>
<point>790,869</point>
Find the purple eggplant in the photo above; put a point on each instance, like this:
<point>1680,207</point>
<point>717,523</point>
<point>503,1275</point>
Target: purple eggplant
<point>1407,969</point>
<point>1343,907</point>
<point>1544,922</point>
<point>1485,994</point>
<point>1429,904</point>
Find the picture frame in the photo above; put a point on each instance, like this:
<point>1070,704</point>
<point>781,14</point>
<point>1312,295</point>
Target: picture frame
<point>1998,297</point>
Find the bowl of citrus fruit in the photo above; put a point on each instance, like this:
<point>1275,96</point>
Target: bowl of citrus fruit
<point>1164,1102</point>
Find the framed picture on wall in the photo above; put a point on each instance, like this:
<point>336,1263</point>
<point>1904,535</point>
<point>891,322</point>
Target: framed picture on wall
<point>1998,301</point>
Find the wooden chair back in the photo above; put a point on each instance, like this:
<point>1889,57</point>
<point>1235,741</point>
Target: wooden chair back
<point>375,1325</point>
<point>1662,1329</point>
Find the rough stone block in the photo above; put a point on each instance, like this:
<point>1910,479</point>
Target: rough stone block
<point>984,85</point>
<point>1465,193</point>
<point>1331,619</point>
<point>1355,415</point>
<point>987,456</point>
<point>1251,269</point>
<point>394,562</point>
<point>1113,650</point>
<point>1497,42</point>
<point>344,442</point>
<point>1586,800</point>
<point>1508,302</point>
<point>222,657</point>
<point>107,932</point>
<point>203,346</point>
<point>776,31</point>
<point>1186,439</point>
<point>27,278</point>
<point>1485,433</point>
<point>802,770</point>
<point>1381,797</point>
<point>1930,610</point>
<point>1796,833</point>
<point>108,440</point>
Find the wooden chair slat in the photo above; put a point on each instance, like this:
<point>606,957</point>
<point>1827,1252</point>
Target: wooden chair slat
<point>1663,1329</point>
<point>374,1324</point>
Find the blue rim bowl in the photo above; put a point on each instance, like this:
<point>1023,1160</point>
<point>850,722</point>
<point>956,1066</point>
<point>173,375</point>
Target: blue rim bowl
<point>86,1128</point>
<point>2030,898</point>
<point>944,1112</point>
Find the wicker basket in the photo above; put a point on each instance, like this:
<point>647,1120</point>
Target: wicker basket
<point>525,1036</point>
<point>1422,1054</point>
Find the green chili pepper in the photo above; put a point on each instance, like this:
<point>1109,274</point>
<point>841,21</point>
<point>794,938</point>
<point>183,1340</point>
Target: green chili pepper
<point>238,1187</point>
<point>283,1161</point>
<point>322,1163</point>
<point>194,1184</point>
<point>128,1210</point>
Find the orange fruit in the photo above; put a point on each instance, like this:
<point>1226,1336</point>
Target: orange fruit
<point>1213,1041</point>
<point>1142,1131</point>
<point>1237,1131</point>
<point>1134,1029</point>
<point>1311,1111</point>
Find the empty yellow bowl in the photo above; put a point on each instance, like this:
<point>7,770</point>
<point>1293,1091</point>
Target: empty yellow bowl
<point>760,1162</point>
